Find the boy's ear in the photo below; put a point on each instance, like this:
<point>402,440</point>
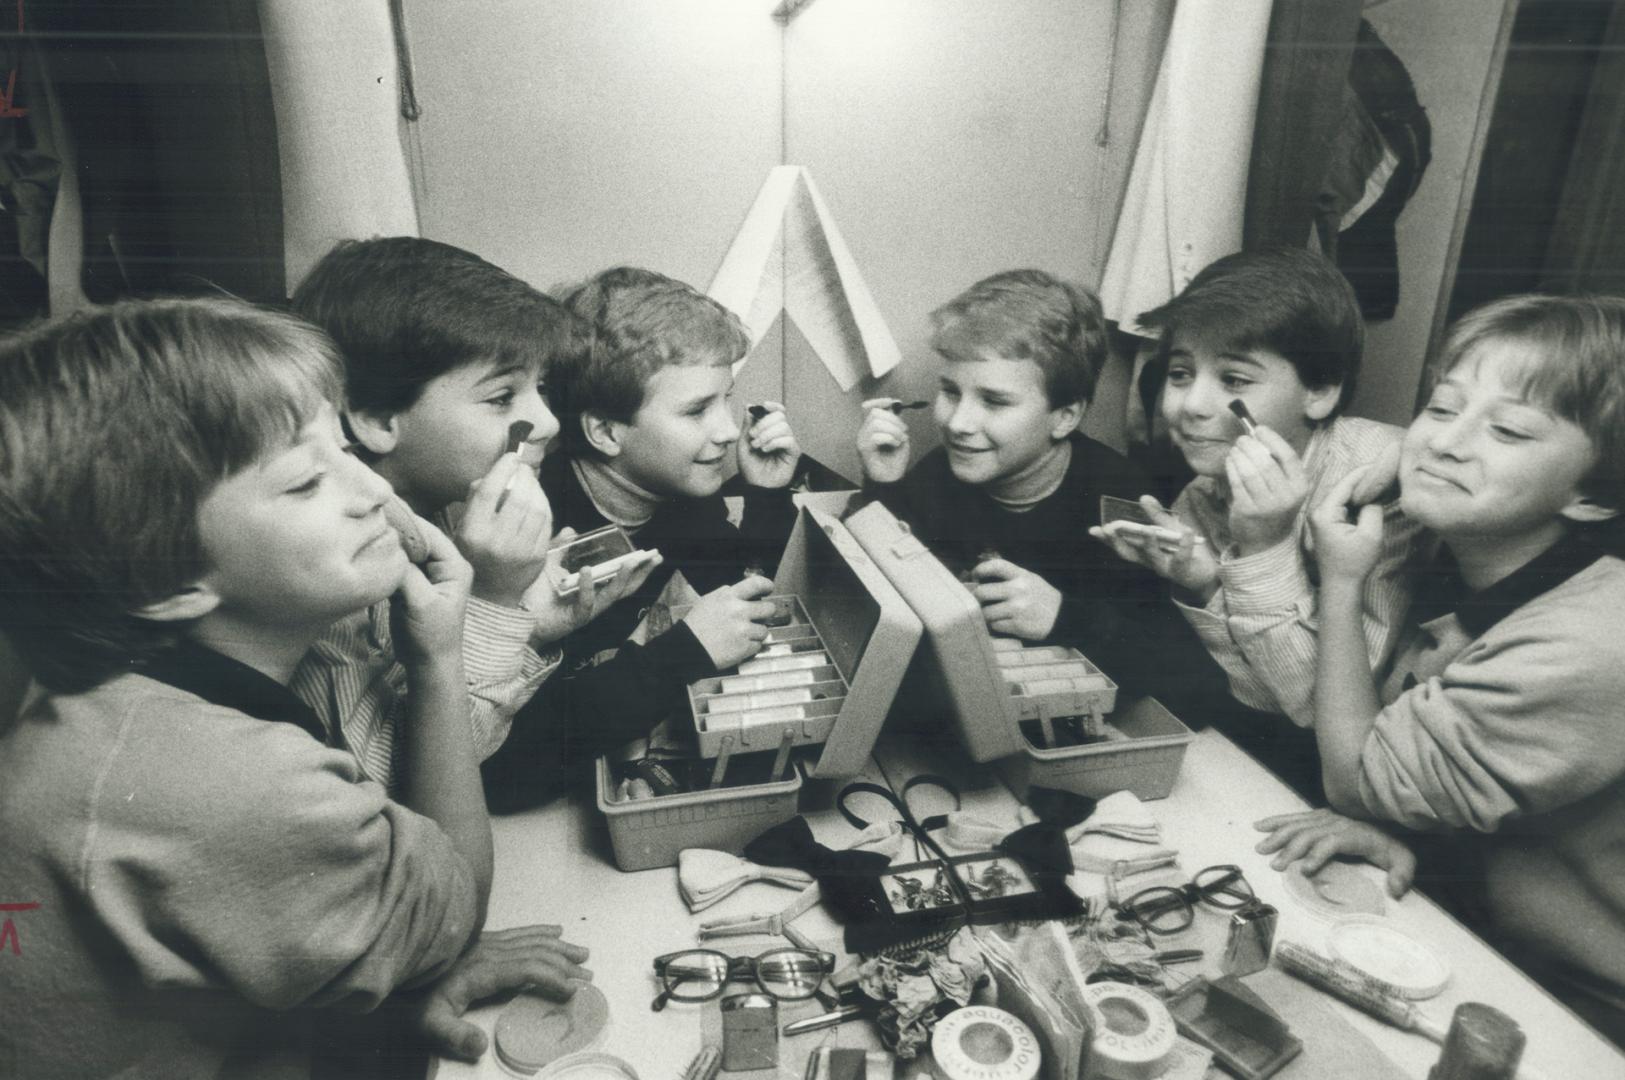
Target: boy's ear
<point>1321,403</point>
<point>603,434</point>
<point>1587,511</point>
<point>374,429</point>
<point>189,602</point>
<point>1065,420</point>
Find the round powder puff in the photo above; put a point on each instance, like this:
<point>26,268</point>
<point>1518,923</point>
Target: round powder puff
<point>1335,890</point>
<point>532,1030</point>
<point>1388,955</point>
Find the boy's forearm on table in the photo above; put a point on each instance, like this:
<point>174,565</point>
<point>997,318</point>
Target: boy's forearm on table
<point>1346,702</point>
<point>441,777</point>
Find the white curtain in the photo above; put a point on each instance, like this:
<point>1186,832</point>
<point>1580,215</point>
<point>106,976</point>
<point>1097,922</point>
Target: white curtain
<point>1188,186</point>
<point>334,83</point>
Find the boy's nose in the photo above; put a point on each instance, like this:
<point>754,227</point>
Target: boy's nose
<point>1203,397</point>
<point>726,431</point>
<point>963,419</point>
<point>368,490</point>
<point>546,425</point>
<point>1449,439</point>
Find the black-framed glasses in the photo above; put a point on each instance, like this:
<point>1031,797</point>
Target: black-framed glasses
<point>1167,909</point>
<point>701,974</point>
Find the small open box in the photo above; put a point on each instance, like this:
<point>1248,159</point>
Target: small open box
<point>1020,702</point>
<point>841,632</point>
<point>605,550</point>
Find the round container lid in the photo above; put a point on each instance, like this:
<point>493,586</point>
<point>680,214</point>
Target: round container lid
<point>983,1043</point>
<point>1389,955</point>
<point>589,1065</point>
<point>532,1030</point>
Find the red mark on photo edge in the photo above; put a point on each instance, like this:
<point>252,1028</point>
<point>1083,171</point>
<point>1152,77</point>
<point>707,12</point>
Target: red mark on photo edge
<point>8,929</point>
<point>8,110</point>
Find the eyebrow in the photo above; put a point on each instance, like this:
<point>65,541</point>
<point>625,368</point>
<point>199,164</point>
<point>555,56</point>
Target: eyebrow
<point>498,374</point>
<point>1240,358</point>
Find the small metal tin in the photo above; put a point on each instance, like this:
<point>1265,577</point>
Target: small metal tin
<point>750,1032</point>
<point>1252,936</point>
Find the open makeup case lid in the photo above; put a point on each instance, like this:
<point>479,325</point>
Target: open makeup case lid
<point>976,672</point>
<point>863,625</point>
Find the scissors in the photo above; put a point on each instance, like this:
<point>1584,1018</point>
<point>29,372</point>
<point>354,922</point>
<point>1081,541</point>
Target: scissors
<point>919,830</point>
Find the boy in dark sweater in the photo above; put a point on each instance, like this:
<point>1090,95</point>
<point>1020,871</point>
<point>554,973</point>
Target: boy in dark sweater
<point>1010,496</point>
<point>647,429</point>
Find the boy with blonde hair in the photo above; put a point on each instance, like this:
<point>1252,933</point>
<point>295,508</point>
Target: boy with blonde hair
<point>1497,721</point>
<point>180,523</point>
<point>1009,497</point>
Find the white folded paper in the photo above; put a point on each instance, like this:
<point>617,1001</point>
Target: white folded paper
<point>789,257</point>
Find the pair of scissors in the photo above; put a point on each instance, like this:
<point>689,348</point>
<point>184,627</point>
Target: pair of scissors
<point>919,830</point>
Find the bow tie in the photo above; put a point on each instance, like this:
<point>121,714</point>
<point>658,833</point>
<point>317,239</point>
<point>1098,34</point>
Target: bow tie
<point>705,876</point>
<point>1121,828</point>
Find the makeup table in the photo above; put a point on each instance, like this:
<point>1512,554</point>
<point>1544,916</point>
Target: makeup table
<point>553,865</point>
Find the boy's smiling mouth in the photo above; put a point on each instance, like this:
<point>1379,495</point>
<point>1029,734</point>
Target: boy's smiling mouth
<point>383,533</point>
<point>1437,479</point>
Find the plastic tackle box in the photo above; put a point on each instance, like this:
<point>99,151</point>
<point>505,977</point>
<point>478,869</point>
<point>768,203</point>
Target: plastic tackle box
<point>840,624</point>
<point>994,688</point>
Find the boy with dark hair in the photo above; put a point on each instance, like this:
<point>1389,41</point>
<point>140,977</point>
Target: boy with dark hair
<point>1010,495</point>
<point>1279,332</point>
<point>1498,719</point>
<point>206,869</point>
<point>648,432</point>
<point>443,353</point>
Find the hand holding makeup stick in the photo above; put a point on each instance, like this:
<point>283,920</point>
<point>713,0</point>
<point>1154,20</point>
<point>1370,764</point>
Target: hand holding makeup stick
<point>505,531</point>
<point>1268,485</point>
<point>768,451</point>
<point>883,443</point>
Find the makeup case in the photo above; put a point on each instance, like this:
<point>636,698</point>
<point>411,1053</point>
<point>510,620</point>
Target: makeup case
<point>1046,714</point>
<point>814,697</point>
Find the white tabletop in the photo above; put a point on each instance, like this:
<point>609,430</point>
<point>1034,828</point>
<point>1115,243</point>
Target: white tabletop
<point>554,865</point>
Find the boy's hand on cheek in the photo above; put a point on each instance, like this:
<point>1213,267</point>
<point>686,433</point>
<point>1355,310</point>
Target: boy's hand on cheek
<point>1346,551</point>
<point>768,451</point>
<point>505,531</point>
<point>882,443</point>
<point>1267,488</point>
<point>558,615</point>
<point>426,612</point>
<point>731,622</point>
<point>1014,601</point>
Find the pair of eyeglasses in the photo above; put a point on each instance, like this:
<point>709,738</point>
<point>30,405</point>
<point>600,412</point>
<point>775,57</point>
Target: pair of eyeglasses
<point>1166,909</point>
<point>701,974</point>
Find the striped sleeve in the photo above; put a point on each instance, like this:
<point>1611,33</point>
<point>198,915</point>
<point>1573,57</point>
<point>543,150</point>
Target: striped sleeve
<point>1273,612</point>
<point>503,670</point>
<point>352,680</point>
